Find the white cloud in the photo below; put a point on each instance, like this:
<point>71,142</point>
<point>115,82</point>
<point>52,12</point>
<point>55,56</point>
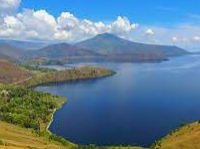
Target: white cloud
<point>175,39</point>
<point>149,32</point>
<point>29,24</point>
<point>197,38</point>
<point>122,26</point>
<point>40,25</point>
<point>8,6</point>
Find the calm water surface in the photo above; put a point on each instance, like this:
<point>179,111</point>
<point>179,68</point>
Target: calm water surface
<point>140,104</point>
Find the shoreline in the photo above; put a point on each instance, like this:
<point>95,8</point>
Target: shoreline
<point>52,117</point>
<point>49,124</point>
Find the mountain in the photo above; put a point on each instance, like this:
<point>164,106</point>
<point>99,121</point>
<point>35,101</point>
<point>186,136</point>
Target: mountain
<point>26,45</point>
<point>4,57</point>
<point>10,52</point>
<point>103,47</point>
<point>61,51</point>
<point>113,45</point>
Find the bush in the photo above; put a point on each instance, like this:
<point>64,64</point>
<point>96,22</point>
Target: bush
<point>58,139</point>
<point>1,142</point>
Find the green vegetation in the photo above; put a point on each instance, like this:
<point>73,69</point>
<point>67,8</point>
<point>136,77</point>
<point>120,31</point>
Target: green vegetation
<point>67,75</point>
<point>16,137</point>
<point>58,139</point>
<point>184,137</point>
<point>35,68</point>
<point>26,107</point>
<point>1,142</point>
<point>30,75</point>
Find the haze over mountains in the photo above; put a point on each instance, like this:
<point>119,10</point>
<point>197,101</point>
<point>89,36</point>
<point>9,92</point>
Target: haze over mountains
<point>103,47</point>
<point>62,50</point>
<point>26,45</point>
<point>10,52</point>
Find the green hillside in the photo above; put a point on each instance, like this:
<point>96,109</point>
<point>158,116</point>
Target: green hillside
<point>186,137</point>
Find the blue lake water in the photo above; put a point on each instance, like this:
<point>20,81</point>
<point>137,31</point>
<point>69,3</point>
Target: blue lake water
<point>138,105</point>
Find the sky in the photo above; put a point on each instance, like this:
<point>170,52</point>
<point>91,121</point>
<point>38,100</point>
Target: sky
<point>169,22</point>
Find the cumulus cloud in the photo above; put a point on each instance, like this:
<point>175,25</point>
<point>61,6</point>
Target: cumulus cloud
<point>121,26</point>
<point>77,29</point>
<point>42,25</point>
<point>149,32</point>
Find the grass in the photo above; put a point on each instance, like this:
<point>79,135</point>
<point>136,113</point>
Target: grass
<point>10,73</point>
<point>14,136</point>
<point>186,137</point>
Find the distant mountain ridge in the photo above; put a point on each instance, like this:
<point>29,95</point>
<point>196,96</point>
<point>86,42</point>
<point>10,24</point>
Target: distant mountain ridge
<point>111,44</point>
<point>103,47</point>
<point>61,51</point>
<point>26,45</point>
<point>10,52</point>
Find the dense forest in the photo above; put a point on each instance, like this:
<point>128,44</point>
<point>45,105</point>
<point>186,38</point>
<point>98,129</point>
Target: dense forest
<point>26,107</point>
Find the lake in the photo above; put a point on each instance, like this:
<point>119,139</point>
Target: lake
<point>138,105</point>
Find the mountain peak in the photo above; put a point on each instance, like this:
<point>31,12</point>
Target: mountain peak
<point>107,43</point>
<point>107,35</point>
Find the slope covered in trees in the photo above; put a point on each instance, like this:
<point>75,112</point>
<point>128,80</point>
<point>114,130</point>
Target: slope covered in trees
<point>28,75</point>
<point>81,73</point>
<point>26,107</point>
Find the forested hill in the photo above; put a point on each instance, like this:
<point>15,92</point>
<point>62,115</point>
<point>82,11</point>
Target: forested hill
<point>81,73</point>
<point>12,74</point>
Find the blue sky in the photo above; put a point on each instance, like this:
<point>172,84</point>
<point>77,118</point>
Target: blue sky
<point>169,22</point>
<point>141,11</point>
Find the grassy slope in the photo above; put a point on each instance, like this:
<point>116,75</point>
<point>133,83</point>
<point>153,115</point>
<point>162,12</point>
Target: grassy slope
<point>15,136</point>
<point>11,73</point>
<point>187,137</point>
